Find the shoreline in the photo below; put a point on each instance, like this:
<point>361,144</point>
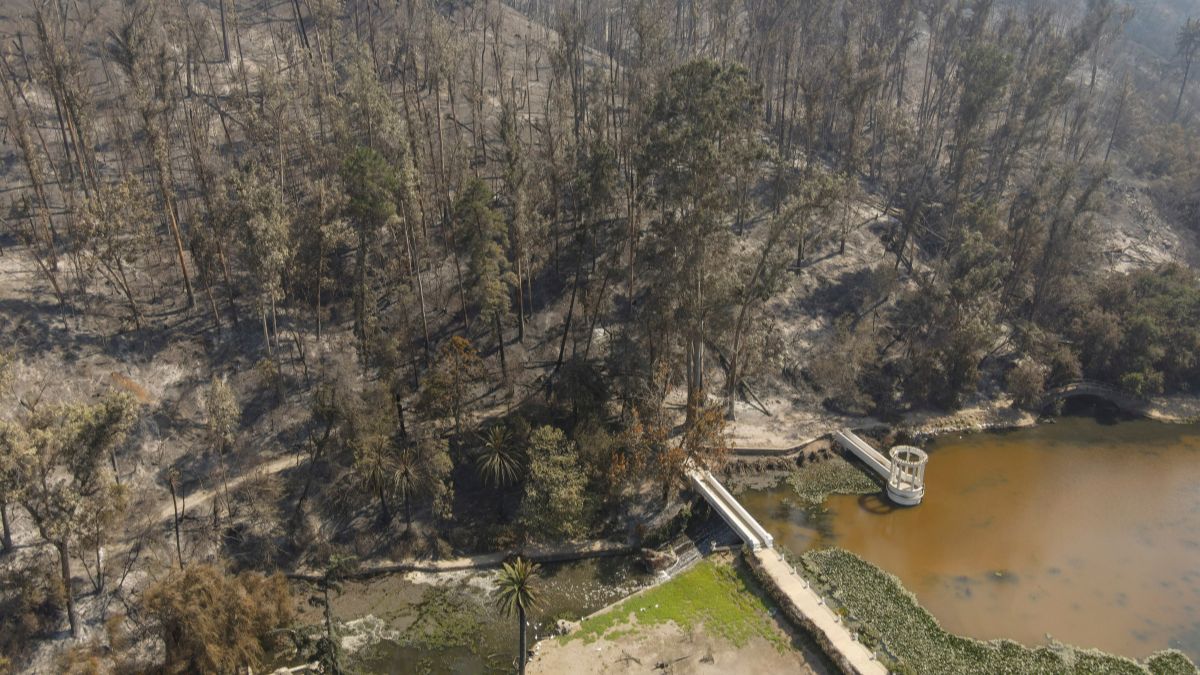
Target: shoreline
<point>993,414</point>
<point>998,415</point>
<point>878,604</point>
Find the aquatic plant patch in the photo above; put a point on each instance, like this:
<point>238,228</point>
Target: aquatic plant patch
<point>713,594</point>
<point>815,481</point>
<point>1170,662</point>
<point>877,604</point>
<point>446,617</point>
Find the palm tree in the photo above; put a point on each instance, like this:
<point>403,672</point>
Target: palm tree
<point>498,462</point>
<point>1187,45</point>
<point>407,480</point>
<point>518,593</point>
<point>375,470</point>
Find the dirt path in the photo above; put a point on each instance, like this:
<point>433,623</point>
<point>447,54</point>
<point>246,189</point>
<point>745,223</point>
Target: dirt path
<point>201,497</point>
<point>541,554</point>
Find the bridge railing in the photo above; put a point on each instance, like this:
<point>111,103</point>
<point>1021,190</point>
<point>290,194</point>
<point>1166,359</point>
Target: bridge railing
<point>759,531</point>
<point>732,512</point>
<point>872,457</point>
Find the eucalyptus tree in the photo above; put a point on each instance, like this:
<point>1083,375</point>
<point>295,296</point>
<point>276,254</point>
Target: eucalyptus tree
<point>447,387</point>
<point>256,213</point>
<point>31,217</point>
<point>320,231</point>
<point>114,227</point>
<point>1187,46</point>
<point>223,414</point>
<point>140,47</point>
<point>984,71</point>
<point>66,446</point>
<point>15,455</point>
<point>517,198</point>
<point>701,130</point>
<point>371,118</point>
<point>60,68</point>
<point>106,507</point>
<point>371,184</point>
<point>481,228</point>
<point>816,195</point>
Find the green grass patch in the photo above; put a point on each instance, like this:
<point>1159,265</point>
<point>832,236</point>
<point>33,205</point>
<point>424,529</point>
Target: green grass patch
<point>815,481</point>
<point>716,595</point>
<point>881,608</point>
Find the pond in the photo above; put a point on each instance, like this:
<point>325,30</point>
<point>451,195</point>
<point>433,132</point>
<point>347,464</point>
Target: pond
<point>1087,530</point>
<point>447,623</point>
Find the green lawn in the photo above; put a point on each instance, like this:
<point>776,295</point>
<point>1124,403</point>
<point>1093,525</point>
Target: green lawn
<point>714,594</point>
<point>885,611</point>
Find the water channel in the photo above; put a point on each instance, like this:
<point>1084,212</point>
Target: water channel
<point>1087,530</point>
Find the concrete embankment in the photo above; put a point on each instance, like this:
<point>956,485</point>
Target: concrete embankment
<point>805,608</point>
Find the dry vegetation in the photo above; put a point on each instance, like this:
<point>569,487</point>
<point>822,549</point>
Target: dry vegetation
<point>282,282</point>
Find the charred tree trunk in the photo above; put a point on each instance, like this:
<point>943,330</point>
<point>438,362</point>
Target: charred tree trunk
<point>7,542</point>
<point>500,345</point>
<point>64,560</point>
<point>224,34</point>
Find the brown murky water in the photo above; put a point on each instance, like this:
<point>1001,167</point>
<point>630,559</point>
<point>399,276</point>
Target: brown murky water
<point>1084,530</point>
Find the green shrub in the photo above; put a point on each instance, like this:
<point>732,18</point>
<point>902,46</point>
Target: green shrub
<point>31,605</point>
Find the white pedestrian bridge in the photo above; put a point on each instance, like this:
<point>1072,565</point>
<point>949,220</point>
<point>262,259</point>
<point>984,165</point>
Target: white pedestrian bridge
<point>733,513</point>
<point>904,471</point>
<point>797,596</point>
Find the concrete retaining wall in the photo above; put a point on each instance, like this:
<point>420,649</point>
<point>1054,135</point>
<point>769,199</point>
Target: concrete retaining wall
<point>797,618</point>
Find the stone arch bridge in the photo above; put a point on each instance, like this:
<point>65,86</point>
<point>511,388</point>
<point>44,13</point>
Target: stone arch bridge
<point>1122,398</point>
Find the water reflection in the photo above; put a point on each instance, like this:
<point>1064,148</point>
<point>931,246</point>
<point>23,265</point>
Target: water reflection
<point>1086,530</point>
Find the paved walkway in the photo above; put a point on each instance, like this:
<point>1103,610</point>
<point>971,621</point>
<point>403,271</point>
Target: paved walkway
<point>834,633</point>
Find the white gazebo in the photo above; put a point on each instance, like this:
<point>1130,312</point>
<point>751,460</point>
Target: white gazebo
<point>906,481</point>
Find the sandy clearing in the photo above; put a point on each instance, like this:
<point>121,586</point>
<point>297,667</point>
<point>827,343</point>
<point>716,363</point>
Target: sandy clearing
<point>667,648</point>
